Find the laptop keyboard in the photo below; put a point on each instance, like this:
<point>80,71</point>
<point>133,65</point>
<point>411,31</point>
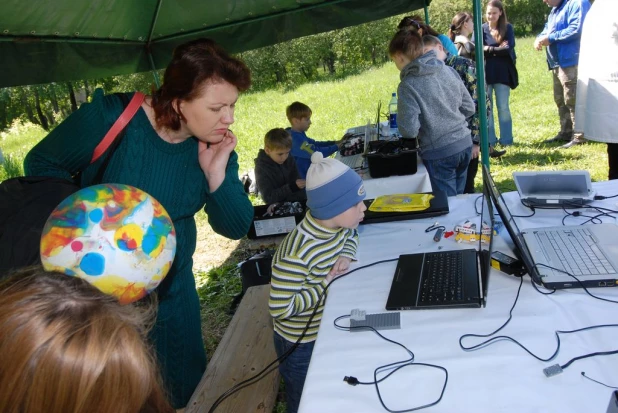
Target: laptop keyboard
<point>352,161</point>
<point>577,251</point>
<point>442,278</point>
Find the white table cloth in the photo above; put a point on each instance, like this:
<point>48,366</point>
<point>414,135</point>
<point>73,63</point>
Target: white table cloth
<point>499,378</point>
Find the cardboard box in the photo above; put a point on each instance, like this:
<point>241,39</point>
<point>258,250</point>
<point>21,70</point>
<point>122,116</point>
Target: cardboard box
<point>264,225</point>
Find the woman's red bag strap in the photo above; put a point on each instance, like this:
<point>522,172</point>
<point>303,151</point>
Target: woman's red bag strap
<point>119,125</point>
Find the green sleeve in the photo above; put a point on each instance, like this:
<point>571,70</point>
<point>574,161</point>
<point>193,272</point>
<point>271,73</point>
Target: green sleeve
<point>68,148</point>
<point>229,210</point>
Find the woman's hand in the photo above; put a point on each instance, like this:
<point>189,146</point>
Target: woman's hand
<point>213,158</point>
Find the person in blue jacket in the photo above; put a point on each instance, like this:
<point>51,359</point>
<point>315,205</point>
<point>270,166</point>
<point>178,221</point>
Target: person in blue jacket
<point>303,146</point>
<point>561,38</point>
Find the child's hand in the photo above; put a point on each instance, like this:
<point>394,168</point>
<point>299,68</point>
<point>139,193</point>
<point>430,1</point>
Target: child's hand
<point>341,265</point>
<point>300,183</point>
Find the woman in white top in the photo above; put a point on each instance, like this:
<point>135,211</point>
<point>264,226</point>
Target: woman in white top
<point>460,32</point>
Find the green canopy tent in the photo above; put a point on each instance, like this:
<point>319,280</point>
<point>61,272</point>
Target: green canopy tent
<point>57,40</point>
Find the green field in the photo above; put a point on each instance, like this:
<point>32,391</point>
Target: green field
<point>352,101</point>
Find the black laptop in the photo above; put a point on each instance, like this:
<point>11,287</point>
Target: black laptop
<point>437,206</point>
<point>445,279</point>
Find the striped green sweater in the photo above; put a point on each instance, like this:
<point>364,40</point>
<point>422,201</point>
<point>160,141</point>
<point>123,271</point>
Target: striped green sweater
<point>300,267</point>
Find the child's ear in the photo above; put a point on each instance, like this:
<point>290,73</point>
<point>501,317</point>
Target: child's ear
<point>267,150</point>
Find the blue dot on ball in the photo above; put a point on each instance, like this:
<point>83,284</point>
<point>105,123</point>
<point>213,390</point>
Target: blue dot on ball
<point>96,215</point>
<point>93,263</point>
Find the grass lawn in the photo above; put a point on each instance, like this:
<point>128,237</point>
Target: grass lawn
<point>340,104</point>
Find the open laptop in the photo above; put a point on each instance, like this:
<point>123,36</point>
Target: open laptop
<point>554,188</point>
<point>437,206</point>
<point>589,252</point>
<point>356,161</point>
<point>445,279</point>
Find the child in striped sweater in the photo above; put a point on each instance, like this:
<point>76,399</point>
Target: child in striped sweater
<point>317,251</point>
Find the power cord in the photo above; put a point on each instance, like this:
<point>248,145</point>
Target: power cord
<point>583,373</point>
<point>393,367</point>
<point>556,368</point>
<point>275,363</point>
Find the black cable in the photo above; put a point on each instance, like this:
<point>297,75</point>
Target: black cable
<point>393,367</point>
<point>596,381</point>
<point>554,369</point>
<point>601,197</point>
<point>581,284</point>
<point>271,366</point>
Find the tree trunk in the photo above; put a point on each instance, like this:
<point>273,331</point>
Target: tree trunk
<point>39,112</point>
<point>86,89</point>
<point>26,105</point>
<point>54,99</point>
<point>72,97</point>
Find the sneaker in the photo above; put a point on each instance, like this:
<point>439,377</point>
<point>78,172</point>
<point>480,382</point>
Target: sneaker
<point>494,153</point>
<point>575,141</point>
<point>558,138</point>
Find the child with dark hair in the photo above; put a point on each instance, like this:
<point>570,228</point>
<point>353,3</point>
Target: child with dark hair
<point>276,174</point>
<point>317,251</point>
<point>434,106</point>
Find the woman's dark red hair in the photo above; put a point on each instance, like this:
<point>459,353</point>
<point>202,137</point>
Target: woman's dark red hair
<point>193,65</point>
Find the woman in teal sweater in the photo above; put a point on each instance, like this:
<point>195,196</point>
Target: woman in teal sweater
<point>179,149</point>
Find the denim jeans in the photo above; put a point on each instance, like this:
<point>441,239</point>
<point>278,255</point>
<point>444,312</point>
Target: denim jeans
<point>293,369</point>
<point>504,115</point>
<point>449,174</point>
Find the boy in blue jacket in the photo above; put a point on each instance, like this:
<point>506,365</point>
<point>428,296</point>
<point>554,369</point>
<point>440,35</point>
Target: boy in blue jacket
<point>303,146</point>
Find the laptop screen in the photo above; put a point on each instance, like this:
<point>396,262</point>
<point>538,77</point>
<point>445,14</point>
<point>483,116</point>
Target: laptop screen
<point>510,225</point>
<point>485,248</point>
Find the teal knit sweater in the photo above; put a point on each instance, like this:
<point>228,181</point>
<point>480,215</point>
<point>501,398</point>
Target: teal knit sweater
<point>171,174</point>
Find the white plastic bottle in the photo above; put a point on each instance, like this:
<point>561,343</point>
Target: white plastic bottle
<point>392,116</point>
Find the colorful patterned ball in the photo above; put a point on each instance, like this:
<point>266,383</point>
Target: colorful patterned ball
<point>117,237</point>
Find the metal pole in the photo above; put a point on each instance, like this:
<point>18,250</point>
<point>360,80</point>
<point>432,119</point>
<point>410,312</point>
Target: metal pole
<point>480,79</point>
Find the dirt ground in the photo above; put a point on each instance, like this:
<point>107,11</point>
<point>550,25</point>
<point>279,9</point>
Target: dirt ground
<point>214,250</point>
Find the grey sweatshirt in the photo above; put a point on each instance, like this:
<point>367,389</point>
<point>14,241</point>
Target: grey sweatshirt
<point>277,183</point>
<point>433,105</point>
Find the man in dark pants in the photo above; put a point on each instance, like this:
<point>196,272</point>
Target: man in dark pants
<point>561,38</point>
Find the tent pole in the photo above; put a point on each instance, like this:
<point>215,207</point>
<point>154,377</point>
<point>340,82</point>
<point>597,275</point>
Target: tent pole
<point>154,69</point>
<point>148,42</point>
<point>480,79</point>
<point>426,12</point>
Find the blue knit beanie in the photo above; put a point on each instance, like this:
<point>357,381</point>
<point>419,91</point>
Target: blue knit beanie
<point>332,187</point>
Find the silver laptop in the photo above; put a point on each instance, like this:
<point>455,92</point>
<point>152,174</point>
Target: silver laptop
<point>588,252</point>
<point>356,161</point>
<point>554,188</point>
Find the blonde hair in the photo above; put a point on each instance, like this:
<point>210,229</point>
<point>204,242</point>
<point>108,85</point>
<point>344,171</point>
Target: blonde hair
<point>297,110</point>
<point>65,347</point>
<point>278,138</point>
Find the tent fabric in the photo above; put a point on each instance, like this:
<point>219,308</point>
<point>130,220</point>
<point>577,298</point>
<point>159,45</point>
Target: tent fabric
<point>59,40</point>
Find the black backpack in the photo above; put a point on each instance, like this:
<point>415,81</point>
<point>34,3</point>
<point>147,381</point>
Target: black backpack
<point>27,201</point>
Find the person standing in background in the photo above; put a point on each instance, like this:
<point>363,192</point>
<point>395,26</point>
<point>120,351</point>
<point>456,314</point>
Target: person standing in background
<point>462,27</point>
<point>561,38</point>
<point>597,84</point>
<point>500,70</point>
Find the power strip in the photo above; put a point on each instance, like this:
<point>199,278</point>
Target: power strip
<point>380,321</point>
